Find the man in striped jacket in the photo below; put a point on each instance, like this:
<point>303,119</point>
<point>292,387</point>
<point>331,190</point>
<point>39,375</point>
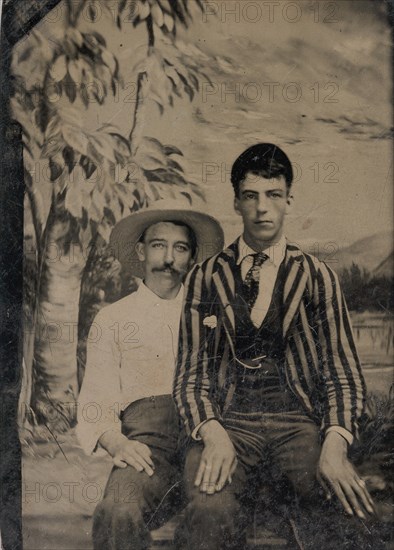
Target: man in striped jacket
<point>268,380</point>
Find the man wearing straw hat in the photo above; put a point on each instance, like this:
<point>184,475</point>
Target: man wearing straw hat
<point>130,367</point>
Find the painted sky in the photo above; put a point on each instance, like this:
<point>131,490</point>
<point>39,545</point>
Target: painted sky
<point>317,82</point>
<point>337,132</point>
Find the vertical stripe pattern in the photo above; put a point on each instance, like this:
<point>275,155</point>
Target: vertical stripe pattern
<point>322,365</point>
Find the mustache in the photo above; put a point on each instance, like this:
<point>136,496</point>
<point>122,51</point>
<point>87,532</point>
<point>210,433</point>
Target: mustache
<point>167,267</point>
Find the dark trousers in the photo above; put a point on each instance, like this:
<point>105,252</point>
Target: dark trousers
<point>281,450</point>
<point>133,502</point>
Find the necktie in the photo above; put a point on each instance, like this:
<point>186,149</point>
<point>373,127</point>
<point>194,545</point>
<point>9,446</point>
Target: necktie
<point>252,279</point>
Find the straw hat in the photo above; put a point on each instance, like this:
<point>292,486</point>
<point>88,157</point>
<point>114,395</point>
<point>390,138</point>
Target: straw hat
<point>126,234</point>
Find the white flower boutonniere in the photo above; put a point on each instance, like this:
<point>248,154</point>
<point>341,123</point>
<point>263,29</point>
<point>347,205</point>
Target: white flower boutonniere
<point>211,321</point>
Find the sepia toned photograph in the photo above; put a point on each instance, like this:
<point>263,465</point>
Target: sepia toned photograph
<point>198,262</point>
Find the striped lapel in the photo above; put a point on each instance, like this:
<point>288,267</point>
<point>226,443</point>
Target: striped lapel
<point>223,278</point>
<point>295,281</point>
<point>295,275</point>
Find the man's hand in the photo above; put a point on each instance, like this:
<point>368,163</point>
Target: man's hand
<point>336,472</point>
<point>127,452</point>
<point>218,459</point>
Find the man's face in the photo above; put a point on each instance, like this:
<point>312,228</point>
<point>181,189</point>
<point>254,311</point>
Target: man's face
<point>262,203</point>
<point>166,252</point>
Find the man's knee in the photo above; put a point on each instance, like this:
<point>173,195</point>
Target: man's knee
<point>220,508</point>
<point>307,487</point>
<point>119,525</point>
<point>192,462</point>
<point>124,499</point>
<point>137,489</point>
<point>299,463</point>
<point>212,521</point>
<point>110,512</point>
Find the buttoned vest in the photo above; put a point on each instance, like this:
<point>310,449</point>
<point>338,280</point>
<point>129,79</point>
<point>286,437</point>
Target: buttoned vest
<point>261,389</point>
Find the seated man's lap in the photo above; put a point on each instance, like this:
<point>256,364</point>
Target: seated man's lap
<point>287,466</point>
<point>153,498</point>
<point>282,453</point>
<point>135,497</point>
<point>209,519</point>
<point>226,496</point>
<point>282,448</point>
<point>294,452</point>
<point>129,484</point>
<point>135,503</point>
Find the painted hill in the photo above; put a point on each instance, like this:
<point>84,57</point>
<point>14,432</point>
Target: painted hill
<point>374,253</point>
<point>386,268</point>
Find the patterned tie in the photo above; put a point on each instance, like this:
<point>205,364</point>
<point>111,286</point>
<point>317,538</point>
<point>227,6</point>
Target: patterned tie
<point>252,279</point>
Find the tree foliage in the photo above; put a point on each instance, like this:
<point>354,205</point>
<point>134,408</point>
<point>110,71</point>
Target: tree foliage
<point>95,176</point>
<point>79,65</point>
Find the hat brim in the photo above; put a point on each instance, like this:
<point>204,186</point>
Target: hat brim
<point>126,234</point>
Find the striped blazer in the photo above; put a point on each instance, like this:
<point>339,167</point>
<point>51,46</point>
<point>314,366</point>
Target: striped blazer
<point>322,366</point>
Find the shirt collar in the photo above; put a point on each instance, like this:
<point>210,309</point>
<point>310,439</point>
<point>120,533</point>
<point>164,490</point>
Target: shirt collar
<point>150,297</point>
<point>275,252</point>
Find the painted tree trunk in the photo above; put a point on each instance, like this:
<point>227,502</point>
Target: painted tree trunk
<point>139,121</point>
<point>55,386</point>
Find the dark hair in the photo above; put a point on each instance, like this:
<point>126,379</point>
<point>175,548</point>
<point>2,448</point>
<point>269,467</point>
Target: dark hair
<point>264,159</point>
<point>190,234</point>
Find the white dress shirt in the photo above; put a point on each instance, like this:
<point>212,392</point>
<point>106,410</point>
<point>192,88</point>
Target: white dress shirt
<point>131,354</point>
